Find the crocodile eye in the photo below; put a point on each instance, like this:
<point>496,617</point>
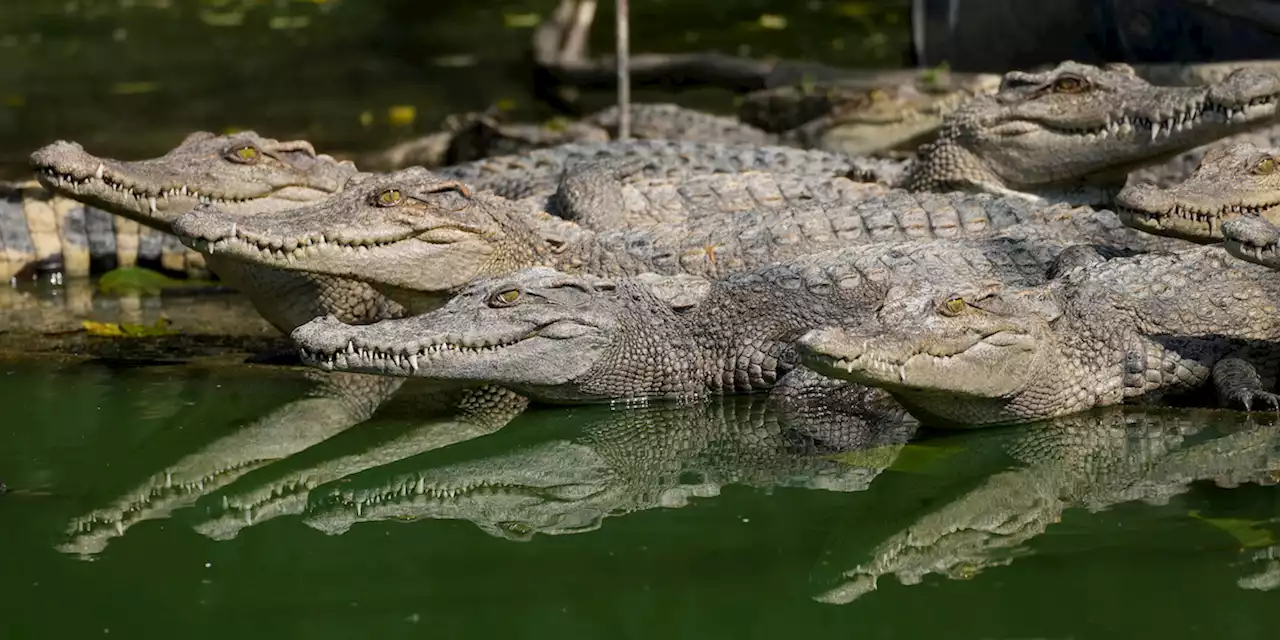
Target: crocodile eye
<point>1265,166</point>
<point>247,154</point>
<point>504,298</point>
<point>953,306</point>
<point>1069,84</point>
<point>389,198</point>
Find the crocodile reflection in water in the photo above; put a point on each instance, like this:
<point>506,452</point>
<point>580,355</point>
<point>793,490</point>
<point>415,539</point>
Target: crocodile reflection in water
<point>455,415</point>
<point>640,458</point>
<point>1091,461</point>
<point>333,405</point>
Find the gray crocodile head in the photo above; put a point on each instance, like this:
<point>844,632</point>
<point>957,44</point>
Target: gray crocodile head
<point>1234,179</point>
<point>967,350</point>
<point>411,233</point>
<point>1253,239</point>
<point>1078,122</point>
<point>538,331</point>
<point>241,172</point>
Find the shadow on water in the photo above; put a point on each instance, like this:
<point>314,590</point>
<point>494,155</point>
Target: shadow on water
<point>241,498</point>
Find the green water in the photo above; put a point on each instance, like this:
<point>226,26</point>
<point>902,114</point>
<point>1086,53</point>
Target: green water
<point>737,560</point>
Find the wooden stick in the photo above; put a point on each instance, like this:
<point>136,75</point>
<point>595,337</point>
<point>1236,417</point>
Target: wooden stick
<point>624,70</point>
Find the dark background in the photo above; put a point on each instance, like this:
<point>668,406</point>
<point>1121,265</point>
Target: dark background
<point>130,78</point>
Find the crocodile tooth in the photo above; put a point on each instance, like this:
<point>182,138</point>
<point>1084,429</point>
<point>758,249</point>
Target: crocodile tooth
<point>119,527</point>
<point>98,173</point>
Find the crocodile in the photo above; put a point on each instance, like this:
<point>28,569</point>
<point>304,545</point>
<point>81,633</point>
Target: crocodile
<point>1090,462</point>
<point>579,338</point>
<point>420,238</point>
<point>473,136</point>
<point>538,172</point>
<point>1131,329</point>
<point>1253,239</point>
<point>242,172</point>
<point>609,195</point>
<point>1072,133</point>
<point>623,462</point>
<point>1233,179</point>
<point>334,404</point>
<point>891,118</point>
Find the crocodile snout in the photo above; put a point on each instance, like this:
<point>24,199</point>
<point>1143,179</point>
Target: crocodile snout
<point>204,222</point>
<point>1147,198</point>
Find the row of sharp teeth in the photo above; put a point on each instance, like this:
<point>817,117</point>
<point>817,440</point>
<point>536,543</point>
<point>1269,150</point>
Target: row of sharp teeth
<point>1186,212</point>
<point>279,491</point>
<point>1176,123</point>
<point>150,198</point>
<point>1258,251</point>
<point>403,360</point>
<point>419,487</point>
<point>281,251</point>
<point>167,490</point>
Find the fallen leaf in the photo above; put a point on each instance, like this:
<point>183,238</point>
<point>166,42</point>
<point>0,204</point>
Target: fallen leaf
<point>1249,533</point>
<point>773,21</point>
<point>402,115</point>
<point>128,330</point>
<point>520,20</point>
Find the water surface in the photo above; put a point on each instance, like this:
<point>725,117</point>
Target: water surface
<point>204,496</point>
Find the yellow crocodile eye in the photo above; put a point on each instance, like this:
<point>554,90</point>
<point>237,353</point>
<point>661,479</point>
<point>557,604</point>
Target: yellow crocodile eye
<point>1265,166</point>
<point>246,154</point>
<point>1068,84</point>
<point>505,297</point>
<point>954,305</point>
<point>390,198</point>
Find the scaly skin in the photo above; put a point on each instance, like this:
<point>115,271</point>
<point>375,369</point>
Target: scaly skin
<point>609,195</point>
<point>538,172</point>
<point>563,338</point>
<point>893,117</point>
<point>1074,132</point>
<point>1234,179</point>
<point>1070,134</point>
<point>420,239</point>
<point>475,136</point>
<point>1090,462</point>
<point>1130,329</point>
<point>244,173</point>
<point>629,461</point>
<point>336,403</point>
